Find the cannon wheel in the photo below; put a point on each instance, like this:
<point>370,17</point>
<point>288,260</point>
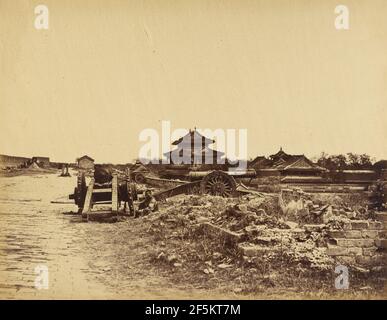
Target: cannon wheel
<point>218,183</point>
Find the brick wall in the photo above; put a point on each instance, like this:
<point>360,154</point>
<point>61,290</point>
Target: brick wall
<point>361,242</point>
<point>11,161</point>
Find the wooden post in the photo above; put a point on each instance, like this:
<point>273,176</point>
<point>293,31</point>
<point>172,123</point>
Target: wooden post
<point>127,173</point>
<point>88,200</point>
<point>129,189</point>
<point>115,194</point>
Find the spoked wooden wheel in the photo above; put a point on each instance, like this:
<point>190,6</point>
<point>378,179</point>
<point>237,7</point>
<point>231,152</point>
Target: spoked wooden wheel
<point>218,183</point>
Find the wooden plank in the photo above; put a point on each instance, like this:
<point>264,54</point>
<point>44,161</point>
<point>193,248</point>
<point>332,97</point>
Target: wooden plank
<point>127,173</point>
<point>115,194</point>
<point>101,203</point>
<point>102,190</point>
<point>89,197</point>
<point>130,204</point>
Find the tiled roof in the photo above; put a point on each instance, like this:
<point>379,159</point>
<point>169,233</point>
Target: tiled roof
<point>85,157</point>
<point>193,136</point>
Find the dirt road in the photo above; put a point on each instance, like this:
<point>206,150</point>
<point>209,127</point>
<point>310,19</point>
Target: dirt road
<point>36,233</point>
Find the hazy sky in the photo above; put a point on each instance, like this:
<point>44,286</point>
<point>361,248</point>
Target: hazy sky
<point>105,70</point>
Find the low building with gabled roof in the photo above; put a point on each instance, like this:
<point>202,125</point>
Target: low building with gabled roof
<point>290,167</point>
<point>85,162</point>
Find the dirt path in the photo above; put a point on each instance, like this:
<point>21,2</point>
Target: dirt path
<point>80,257</point>
<point>34,233</point>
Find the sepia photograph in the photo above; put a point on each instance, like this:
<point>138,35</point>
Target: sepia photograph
<point>165,150</point>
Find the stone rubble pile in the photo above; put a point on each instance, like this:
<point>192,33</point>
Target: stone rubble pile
<point>263,228</point>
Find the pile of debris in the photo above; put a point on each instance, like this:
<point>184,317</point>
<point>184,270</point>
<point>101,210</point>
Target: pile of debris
<point>242,225</point>
<point>302,207</point>
<point>251,238</point>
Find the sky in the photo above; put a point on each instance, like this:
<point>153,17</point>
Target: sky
<point>106,70</point>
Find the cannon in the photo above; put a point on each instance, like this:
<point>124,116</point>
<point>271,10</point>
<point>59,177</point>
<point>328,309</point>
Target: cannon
<point>106,187</point>
<point>217,183</point>
<point>213,182</point>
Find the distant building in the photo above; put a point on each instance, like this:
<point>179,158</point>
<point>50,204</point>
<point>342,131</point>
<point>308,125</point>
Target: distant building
<point>43,162</point>
<point>260,162</point>
<point>289,164</point>
<point>85,162</point>
<point>193,149</point>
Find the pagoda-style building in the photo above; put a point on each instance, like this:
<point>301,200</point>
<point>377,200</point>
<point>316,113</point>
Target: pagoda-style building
<point>193,149</point>
<point>294,164</point>
<point>288,164</point>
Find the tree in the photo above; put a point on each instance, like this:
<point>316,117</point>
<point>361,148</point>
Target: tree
<point>353,161</point>
<point>348,161</point>
<point>339,162</point>
<point>323,160</point>
<point>366,161</point>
